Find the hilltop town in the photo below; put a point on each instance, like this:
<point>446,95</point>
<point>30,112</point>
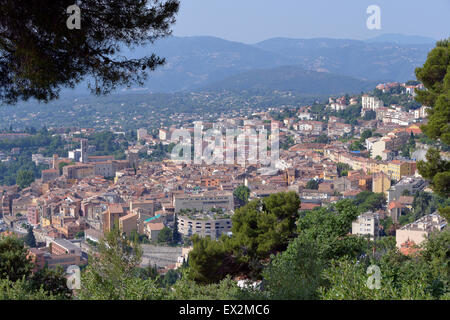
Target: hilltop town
<point>354,147</point>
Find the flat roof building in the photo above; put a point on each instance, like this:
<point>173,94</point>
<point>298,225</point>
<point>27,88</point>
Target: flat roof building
<point>419,230</point>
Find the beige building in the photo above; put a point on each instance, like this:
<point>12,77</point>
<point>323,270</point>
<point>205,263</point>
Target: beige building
<point>147,207</point>
<point>419,230</point>
<point>111,217</point>
<point>78,171</point>
<point>153,229</point>
<point>128,223</point>
<point>381,183</point>
<point>204,201</point>
<point>393,141</point>
<point>49,174</point>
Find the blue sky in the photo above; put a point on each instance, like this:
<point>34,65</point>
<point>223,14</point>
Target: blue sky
<point>250,21</point>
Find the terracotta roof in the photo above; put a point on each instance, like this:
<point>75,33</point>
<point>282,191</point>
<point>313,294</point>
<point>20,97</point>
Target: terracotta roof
<point>395,204</point>
<point>157,226</point>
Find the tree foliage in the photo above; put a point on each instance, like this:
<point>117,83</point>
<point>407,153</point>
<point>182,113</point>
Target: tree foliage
<point>165,235</point>
<point>39,54</point>
<point>437,171</point>
<point>369,201</point>
<point>14,263</point>
<point>312,184</point>
<point>207,260</point>
<point>421,277</point>
<point>24,178</point>
<point>111,272</point>
<point>322,235</point>
<point>52,281</point>
<point>30,239</point>
<point>261,227</point>
<point>435,76</point>
<point>266,225</point>
<point>242,193</point>
<point>22,290</point>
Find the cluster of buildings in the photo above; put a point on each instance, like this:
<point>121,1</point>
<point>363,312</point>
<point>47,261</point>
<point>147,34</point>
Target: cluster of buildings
<point>82,197</point>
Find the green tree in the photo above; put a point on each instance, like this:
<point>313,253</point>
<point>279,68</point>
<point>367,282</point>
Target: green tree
<point>207,260</point>
<point>79,235</point>
<point>365,135</point>
<point>322,235</point>
<point>170,278</point>
<point>347,280</point>
<point>312,184</point>
<point>165,235</point>
<point>176,236</point>
<point>14,263</point>
<point>294,274</point>
<point>437,171</point>
<point>30,239</point>
<point>342,169</point>
<point>370,115</point>
<point>242,193</point>
<point>110,274</point>
<point>421,277</point>
<point>265,226</point>
<point>186,289</point>
<point>22,290</point>
<point>435,76</point>
<point>261,227</point>
<point>24,178</point>
<point>62,57</point>
<point>52,281</point>
<point>356,146</point>
<point>369,201</point>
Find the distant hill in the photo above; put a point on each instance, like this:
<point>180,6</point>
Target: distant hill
<point>402,39</point>
<point>293,78</point>
<point>197,62</point>
<point>193,62</point>
<point>365,60</point>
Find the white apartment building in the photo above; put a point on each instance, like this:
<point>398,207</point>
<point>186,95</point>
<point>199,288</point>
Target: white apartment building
<point>367,224</point>
<point>203,226</point>
<point>370,103</point>
<point>419,230</point>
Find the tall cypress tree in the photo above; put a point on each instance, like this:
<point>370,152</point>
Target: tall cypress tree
<point>175,234</point>
<point>30,239</point>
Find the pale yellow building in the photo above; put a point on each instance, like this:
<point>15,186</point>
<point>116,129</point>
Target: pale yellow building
<point>381,183</point>
<point>398,169</point>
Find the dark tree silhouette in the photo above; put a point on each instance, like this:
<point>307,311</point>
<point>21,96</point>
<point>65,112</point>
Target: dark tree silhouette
<point>39,54</point>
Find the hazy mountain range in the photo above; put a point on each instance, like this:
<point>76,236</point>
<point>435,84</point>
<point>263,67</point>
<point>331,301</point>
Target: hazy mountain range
<point>319,65</point>
<point>194,63</point>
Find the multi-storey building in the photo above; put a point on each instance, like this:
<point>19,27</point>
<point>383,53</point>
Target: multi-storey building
<point>204,201</point>
<point>367,224</point>
<point>381,182</point>
<point>370,103</point>
<point>419,230</point>
<point>203,225</point>
<point>411,184</point>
